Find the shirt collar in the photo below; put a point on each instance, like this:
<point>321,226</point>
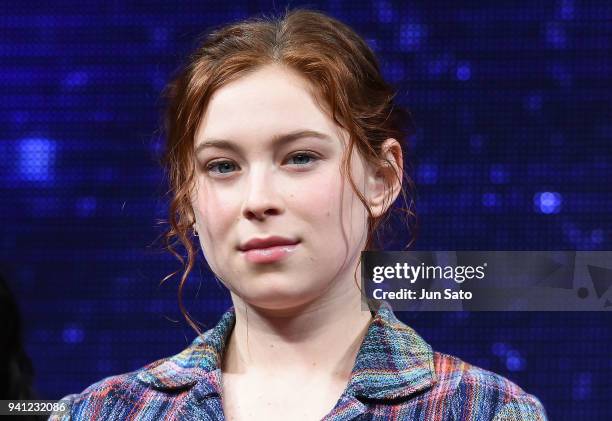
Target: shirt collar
<point>393,360</point>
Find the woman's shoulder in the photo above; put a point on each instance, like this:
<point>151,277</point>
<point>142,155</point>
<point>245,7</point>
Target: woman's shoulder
<point>473,389</point>
<point>159,389</point>
<point>97,395</point>
<point>111,394</point>
<point>150,388</point>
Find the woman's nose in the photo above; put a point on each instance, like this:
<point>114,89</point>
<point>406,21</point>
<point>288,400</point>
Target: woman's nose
<point>261,198</point>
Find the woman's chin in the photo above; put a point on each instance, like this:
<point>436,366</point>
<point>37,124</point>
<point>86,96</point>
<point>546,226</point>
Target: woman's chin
<point>278,300</point>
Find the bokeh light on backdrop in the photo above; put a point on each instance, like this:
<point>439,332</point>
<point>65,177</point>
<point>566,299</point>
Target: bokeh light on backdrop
<point>513,151</point>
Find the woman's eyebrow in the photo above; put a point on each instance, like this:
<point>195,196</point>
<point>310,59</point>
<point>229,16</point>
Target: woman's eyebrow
<point>280,138</point>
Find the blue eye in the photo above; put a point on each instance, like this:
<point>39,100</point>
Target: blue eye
<point>225,163</point>
<point>305,154</point>
<point>219,164</point>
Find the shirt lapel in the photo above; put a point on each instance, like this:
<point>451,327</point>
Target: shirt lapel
<point>392,362</point>
<point>194,363</point>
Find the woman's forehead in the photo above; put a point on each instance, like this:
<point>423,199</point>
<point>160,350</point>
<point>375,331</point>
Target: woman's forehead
<point>270,101</point>
<point>261,92</point>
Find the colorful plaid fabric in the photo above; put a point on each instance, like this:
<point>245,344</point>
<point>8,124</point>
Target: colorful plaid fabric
<point>396,376</point>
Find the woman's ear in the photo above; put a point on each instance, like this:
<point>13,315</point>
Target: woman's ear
<point>385,182</point>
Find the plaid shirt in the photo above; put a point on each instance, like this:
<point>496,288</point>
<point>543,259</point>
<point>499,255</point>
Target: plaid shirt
<point>396,376</point>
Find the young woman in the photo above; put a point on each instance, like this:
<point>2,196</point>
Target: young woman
<point>285,155</point>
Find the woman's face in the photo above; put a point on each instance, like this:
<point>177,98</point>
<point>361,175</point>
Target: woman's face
<point>262,188</point>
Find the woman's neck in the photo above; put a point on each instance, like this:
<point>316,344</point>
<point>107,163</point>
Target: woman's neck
<point>322,338</point>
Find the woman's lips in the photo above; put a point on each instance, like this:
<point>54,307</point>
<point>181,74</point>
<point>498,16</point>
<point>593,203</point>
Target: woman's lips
<point>270,254</point>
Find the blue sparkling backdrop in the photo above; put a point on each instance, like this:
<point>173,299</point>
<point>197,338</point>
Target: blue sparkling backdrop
<point>513,152</point>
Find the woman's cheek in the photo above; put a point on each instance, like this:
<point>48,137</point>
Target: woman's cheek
<point>321,194</point>
<point>218,204</point>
